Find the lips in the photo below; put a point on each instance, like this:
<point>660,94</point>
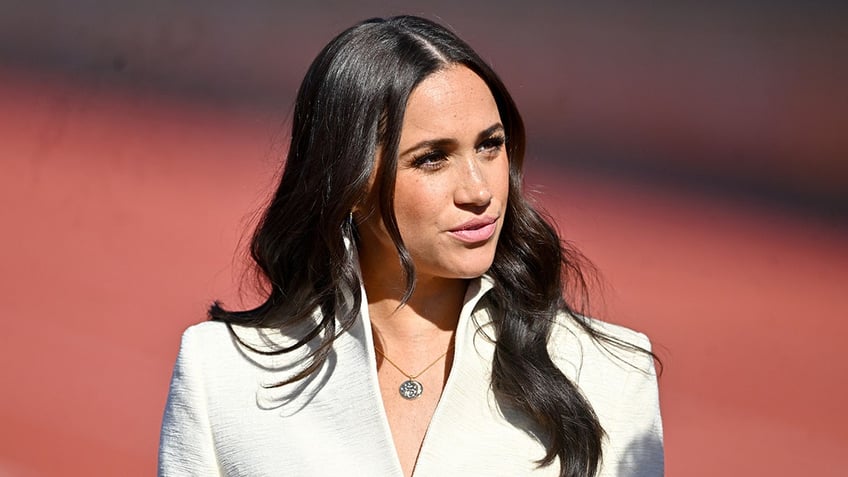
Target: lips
<point>475,230</point>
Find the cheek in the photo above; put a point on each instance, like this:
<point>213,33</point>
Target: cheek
<point>418,202</point>
<point>503,181</point>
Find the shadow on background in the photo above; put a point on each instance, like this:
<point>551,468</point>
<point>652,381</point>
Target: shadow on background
<point>696,153</point>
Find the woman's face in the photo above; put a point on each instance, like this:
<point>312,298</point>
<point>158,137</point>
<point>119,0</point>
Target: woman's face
<point>452,182</point>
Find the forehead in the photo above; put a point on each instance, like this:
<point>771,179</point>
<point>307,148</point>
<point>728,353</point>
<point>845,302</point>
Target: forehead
<point>449,103</point>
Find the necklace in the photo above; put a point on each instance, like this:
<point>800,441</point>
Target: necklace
<point>411,388</point>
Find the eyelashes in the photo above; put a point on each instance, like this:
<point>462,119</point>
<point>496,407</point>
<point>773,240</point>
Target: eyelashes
<point>493,143</point>
<point>434,159</point>
<point>429,159</point>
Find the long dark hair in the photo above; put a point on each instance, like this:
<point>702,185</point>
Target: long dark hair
<point>350,104</point>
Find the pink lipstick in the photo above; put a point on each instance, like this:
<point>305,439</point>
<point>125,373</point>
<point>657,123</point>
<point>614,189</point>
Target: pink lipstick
<point>475,230</point>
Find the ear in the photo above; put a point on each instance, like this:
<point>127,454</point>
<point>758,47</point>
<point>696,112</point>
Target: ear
<point>358,214</point>
<point>363,212</point>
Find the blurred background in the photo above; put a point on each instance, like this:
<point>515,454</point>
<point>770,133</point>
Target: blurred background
<point>697,152</point>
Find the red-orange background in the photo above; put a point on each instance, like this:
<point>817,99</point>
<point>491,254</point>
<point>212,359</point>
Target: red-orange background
<point>697,155</point>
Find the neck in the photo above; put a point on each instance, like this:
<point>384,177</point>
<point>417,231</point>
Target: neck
<point>430,315</point>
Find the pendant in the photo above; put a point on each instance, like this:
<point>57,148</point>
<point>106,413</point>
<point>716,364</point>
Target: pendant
<point>410,389</point>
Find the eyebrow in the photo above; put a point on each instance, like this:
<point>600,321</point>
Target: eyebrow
<point>445,142</point>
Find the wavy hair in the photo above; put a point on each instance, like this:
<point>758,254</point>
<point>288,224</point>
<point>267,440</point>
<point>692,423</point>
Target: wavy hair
<point>350,105</point>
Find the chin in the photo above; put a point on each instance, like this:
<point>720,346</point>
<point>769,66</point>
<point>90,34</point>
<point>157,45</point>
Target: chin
<point>471,271</point>
<point>465,264</point>
<point>480,264</point>
<point>467,271</point>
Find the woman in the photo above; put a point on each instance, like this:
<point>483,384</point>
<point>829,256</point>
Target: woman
<point>414,318</point>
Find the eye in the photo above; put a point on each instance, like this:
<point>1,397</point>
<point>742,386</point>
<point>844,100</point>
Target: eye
<point>491,146</point>
<point>430,160</point>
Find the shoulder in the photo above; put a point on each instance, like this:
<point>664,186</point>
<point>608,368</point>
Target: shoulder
<point>616,374</point>
<point>215,336</point>
<point>607,361</point>
<point>206,331</point>
<point>228,354</point>
<point>588,338</point>
<point>618,332</point>
<point>203,348</point>
<point>219,365</point>
<point>207,337</point>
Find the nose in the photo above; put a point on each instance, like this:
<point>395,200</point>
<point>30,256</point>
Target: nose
<point>472,186</point>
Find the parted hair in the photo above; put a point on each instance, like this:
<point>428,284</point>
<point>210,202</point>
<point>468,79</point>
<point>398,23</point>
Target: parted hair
<point>350,105</point>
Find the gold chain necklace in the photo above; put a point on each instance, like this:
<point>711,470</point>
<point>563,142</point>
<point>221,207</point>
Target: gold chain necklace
<point>412,388</point>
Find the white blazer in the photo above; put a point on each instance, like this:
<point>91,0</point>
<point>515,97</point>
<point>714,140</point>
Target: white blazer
<point>221,421</point>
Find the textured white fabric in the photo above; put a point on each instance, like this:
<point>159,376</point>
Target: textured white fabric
<point>220,420</point>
